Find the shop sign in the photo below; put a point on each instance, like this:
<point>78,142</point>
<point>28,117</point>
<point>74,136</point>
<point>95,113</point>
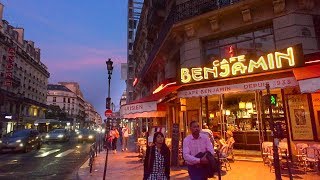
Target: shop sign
<point>139,108</point>
<point>9,67</point>
<point>251,86</point>
<point>242,65</point>
<point>301,126</point>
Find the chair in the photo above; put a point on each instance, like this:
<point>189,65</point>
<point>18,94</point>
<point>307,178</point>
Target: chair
<point>311,157</point>
<point>271,158</point>
<point>225,152</point>
<point>300,155</point>
<point>317,146</point>
<point>265,153</point>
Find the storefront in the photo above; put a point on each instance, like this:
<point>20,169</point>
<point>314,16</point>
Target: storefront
<point>230,93</point>
<point>151,113</point>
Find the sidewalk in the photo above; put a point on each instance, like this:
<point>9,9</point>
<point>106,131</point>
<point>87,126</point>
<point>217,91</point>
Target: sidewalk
<point>127,165</point>
<point>122,165</point>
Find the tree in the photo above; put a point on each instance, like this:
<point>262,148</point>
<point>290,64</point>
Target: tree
<point>55,112</point>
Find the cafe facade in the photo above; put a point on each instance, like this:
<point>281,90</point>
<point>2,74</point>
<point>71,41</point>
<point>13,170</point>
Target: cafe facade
<point>220,63</point>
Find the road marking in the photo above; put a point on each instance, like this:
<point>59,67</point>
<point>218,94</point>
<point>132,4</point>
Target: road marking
<point>65,153</point>
<point>48,153</point>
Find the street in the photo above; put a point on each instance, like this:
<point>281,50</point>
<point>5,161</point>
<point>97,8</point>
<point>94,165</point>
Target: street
<point>52,161</point>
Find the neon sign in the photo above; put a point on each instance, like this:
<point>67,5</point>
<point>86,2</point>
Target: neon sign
<point>162,87</point>
<point>241,65</point>
<point>10,67</point>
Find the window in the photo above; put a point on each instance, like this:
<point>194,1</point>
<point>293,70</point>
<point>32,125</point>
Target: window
<point>54,99</point>
<point>250,44</point>
<point>68,100</point>
<point>64,99</point>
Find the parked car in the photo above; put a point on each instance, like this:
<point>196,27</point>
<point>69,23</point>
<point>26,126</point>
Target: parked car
<point>21,140</point>
<point>87,135</point>
<point>58,135</point>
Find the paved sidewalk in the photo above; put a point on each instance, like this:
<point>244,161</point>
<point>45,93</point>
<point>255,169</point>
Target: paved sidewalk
<point>127,165</point>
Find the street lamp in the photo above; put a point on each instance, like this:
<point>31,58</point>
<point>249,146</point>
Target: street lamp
<point>108,106</point>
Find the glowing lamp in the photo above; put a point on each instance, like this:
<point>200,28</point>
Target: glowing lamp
<point>183,104</point>
<point>228,112</point>
<point>211,115</point>
<point>249,105</point>
<point>242,105</point>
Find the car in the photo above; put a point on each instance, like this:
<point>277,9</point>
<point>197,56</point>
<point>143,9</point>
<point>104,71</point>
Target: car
<point>21,140</point>
<point>86,135</point>
<point>58,135</point>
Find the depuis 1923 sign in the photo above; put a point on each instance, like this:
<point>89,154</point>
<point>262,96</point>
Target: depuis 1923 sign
<point>243,65</point>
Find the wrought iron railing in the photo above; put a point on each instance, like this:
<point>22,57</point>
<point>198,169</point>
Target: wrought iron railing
<point>193,8</point>
<point>158,42</point>
<point>181,12</point>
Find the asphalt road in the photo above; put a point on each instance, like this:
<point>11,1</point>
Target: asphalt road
<point>52,161</point>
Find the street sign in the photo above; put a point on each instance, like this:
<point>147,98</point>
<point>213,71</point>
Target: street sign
<point>108,113</point>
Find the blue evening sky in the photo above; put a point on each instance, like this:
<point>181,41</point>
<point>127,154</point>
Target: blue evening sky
<point>76,37</point>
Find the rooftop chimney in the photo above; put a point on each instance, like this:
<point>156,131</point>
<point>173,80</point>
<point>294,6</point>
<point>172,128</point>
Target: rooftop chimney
<point>20,34</point>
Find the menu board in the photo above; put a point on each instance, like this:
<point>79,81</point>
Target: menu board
<point>300,119</point>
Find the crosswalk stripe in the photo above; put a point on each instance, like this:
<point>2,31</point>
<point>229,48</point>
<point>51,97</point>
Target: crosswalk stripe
<point>65,153</point>
<point>48,153</point>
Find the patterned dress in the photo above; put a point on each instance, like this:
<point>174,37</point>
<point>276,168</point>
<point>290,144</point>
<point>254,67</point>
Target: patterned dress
<point>158,167</point>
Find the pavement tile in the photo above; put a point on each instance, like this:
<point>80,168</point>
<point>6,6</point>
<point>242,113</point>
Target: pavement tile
<point>127,165</point>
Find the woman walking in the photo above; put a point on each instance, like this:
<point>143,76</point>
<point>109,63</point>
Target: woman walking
<point>114,135</point>
<point>157,160</point>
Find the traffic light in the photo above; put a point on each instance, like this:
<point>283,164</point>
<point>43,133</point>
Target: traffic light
<point>273,99</point>
<point>108,103</point>
<point>270,99</point>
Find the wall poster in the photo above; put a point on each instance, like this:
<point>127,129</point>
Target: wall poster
<point>300,119</point>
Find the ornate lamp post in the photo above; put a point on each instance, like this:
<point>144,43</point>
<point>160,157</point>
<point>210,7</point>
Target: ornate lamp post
<point>108,106</point>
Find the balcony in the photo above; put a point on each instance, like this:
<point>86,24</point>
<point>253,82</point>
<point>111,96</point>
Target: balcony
<point>194,8</point>
<point>164,30</point>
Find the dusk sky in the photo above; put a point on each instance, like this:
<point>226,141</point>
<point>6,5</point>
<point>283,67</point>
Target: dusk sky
<point>76,37</point>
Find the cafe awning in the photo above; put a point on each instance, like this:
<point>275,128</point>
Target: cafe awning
<point>149,106</point>
<point>308,78</point>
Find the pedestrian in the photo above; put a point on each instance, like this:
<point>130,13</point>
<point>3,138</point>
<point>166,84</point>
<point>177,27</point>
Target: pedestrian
<point>125,137</point>
<point>208,132</point>
<point>193,145</point>
<point>157,160</point>
<point>114,135</point>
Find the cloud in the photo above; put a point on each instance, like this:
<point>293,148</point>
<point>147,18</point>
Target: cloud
<point>75,57</point>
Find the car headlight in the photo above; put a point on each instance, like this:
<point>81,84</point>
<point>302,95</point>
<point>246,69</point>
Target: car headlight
<point>80,136</point>
<point>21,144</point>
<point>0,141</point>
<point>47,136</point>
<point>60,136</point>
<point>90,136</point>
<point>19,140</point>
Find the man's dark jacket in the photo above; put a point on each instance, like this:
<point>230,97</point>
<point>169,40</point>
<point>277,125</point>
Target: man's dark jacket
<point>213,165</point>
<point>148,164</point>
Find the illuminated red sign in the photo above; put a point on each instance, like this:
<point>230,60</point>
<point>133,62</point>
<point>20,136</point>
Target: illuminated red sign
<point>9,68</point>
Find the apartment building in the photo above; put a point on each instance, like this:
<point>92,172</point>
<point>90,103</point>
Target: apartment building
<point>23,79</point>
<point>92,117</point>
<point>212,61</point>
<point>75,88</point>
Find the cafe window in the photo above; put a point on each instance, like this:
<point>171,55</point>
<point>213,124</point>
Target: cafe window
<point>252,44</point>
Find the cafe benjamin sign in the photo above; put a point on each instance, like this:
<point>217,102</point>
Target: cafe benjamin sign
<point>242,65</point>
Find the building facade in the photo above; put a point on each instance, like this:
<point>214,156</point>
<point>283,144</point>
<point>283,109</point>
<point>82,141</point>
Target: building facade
<point>23,79</point>
<point>134,11</point>
<point>75,88</point>
<point>211,61</point>
<point>92,117</point>
<point>59,95</point>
